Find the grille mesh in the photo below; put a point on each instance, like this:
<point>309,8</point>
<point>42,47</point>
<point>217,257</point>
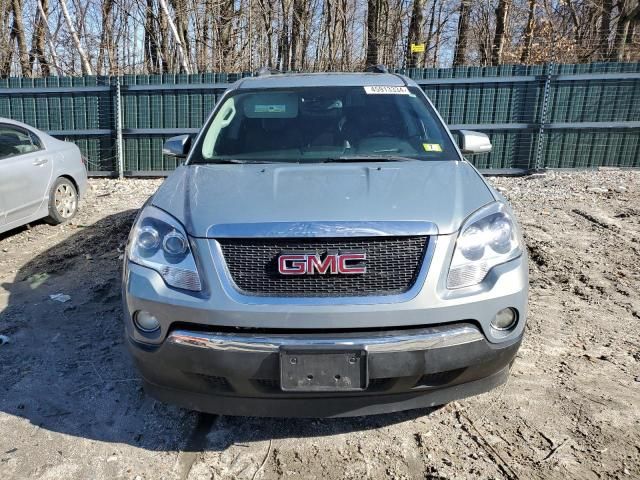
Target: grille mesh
<point>393,264</point>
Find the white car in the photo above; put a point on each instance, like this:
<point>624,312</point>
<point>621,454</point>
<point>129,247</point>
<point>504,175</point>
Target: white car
<point>40,176</point>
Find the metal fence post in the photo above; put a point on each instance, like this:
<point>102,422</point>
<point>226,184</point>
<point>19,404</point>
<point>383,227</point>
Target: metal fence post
<point>543,117</point>
<point>119,153</point>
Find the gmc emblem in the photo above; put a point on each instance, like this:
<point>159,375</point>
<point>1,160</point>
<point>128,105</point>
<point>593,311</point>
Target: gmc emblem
<point>312,263</point>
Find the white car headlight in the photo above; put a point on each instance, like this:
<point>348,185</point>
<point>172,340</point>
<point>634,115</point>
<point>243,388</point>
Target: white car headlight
<point>158,241</point>
<point>488,238</point>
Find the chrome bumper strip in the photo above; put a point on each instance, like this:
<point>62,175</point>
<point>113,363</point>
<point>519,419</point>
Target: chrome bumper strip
<point>384,342</point>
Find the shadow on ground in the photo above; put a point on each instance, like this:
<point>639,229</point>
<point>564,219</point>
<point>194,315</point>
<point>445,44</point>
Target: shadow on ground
<point>67,370</point>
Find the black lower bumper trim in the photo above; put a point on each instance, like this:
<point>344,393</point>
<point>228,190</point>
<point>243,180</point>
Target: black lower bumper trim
<point>248,382</point>
<point>324,407</point>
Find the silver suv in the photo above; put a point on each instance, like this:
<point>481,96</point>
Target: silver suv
<point>325,250</point>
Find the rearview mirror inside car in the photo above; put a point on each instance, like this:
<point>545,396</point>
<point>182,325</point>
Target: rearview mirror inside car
<point>177,146</point>
<point>474,142</point>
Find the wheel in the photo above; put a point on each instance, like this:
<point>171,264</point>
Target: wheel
<point>63,201</point>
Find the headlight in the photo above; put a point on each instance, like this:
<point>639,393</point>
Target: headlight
<point>488,238</point>
<point>158,241</point>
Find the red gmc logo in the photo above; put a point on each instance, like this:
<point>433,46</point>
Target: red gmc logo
<point>312,263</point>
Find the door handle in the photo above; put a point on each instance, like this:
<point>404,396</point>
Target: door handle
<point>40,161</point>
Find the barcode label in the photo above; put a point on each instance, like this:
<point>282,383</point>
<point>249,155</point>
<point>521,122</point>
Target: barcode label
<point>384,90</point>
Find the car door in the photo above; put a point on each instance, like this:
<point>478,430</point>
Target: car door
<point>25,173</point>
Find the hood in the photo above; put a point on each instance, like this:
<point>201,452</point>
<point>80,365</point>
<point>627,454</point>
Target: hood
<point>443,193</point>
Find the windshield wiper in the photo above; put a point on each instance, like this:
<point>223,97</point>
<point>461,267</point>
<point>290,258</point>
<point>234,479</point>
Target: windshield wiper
<point>367,158</point>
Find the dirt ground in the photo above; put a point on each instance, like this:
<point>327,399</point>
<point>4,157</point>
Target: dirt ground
<point>71,406</point>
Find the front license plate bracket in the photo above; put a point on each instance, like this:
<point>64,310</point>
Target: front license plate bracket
<point>323,371</point>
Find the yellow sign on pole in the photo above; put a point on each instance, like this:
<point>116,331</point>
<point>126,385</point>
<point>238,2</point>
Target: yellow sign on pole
<point>417,47</point>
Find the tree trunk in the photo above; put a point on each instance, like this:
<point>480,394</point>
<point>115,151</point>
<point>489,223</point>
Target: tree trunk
<point>306,35</point>
<point>502,13</point>
<point>296,21</point>
<point>328,34</point>
<point>373,12</point>
<point>528,34</point>
<point>18,28</point>
<point>628,14</point>
<point>226,31</point>
<point>283,38</point>
<point>415,32</point>
<point>181,53</point>
<point>8,44</point>
<point>205,38</point>
<point>181,26</point>
<point>84,62</point>
<point>38,41</point>
<point>164,41</point>
<point>459,57</point>
<point>266,9</point>
<point>436,49</point>
<point>106,39</point>
<point>44,14</point>
<point>150,39</point>
<point>605,27</point>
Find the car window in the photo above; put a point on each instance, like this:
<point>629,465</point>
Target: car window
<point>320,123</point>
<point>16,141</point>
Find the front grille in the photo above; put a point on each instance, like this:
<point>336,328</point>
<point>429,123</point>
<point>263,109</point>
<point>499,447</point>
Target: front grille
<point>393,264</point>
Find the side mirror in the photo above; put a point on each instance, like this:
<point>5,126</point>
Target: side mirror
<point>474,142</point>
<point>177,146</point>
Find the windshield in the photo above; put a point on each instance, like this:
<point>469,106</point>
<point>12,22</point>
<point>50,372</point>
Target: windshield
<point>318,124</point>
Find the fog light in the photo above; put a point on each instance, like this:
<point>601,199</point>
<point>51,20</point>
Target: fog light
<point>146,322</point>
<point>505,319</point>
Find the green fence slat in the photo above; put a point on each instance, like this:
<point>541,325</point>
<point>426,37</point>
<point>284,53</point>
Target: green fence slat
<point>169,109</point>
<point>17,110</point>
<point>195,114</point>
<point>145,153</point>
<point>157,161</point>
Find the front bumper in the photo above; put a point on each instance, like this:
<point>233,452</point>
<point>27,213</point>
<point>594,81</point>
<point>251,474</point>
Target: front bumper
<point>239,373</point>
<point>216,353</point>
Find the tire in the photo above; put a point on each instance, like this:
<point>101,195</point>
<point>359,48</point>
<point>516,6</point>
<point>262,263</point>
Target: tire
<point>63,201</point>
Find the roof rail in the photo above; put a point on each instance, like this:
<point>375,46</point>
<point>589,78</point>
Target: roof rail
<point>265,71</point>
<point>379,68</point>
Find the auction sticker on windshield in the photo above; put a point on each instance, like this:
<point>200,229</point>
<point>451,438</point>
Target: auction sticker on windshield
<point>386,90</point>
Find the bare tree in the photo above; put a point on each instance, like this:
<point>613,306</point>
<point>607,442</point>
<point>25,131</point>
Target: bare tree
<point>373,15</point>
<point>415,32</point>
<point>151,39</point>
<point>38,41</point>
<point>142,36</point>
<point>605,28</point>
<point>106,40</point>
<point>296,30</point>
<point>84,61</point>
<point>18,28</point>
<point>460,54</point>
<point>181,25</point>
<point>227,14</point>
<point>528,34</point>
<point>502,13</point>
<point>629,14</point>
<point>181,53</point>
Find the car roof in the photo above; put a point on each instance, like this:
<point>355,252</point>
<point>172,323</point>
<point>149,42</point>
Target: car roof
<point>8,121</point>
<point>324,80</point>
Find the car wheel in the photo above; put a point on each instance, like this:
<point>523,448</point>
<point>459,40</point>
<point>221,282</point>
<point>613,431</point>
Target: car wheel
<point>63,201</point>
